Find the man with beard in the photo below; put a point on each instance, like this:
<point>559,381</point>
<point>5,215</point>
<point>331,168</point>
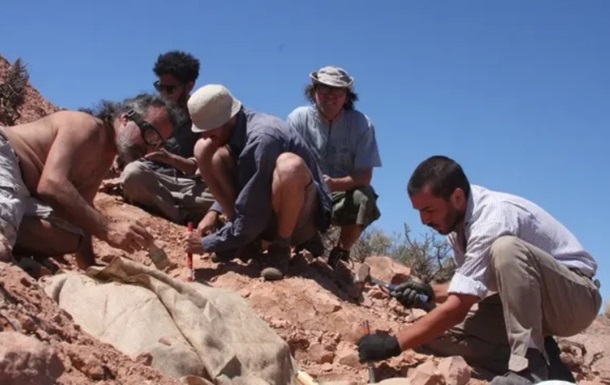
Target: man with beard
<point>344,142</point>
<point>50,171</point>
<point>166,182</point>
<point>529,275</point>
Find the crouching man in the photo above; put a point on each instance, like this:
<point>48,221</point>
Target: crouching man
<point>263,177</point>
<point>51,169</point>
<point>529,275</point>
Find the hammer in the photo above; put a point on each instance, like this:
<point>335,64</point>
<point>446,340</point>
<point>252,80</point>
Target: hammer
<point>363,275</point>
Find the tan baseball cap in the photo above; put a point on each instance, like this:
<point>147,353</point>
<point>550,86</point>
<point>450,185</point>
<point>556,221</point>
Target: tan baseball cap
<point>332,76</point>
<point>211,106</point>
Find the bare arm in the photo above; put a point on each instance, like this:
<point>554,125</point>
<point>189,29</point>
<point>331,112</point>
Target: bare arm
<point>440,292</point>
<point>85,255</point>
<point>440,319</point>
<point>185,165</point>
<point>350,182</point>
<point>55,187</point>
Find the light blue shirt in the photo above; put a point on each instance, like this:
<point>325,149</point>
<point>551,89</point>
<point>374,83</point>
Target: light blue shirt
<point>343,147</point>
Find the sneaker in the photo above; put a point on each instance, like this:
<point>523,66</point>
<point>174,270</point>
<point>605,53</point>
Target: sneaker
<point>537,371</point>
<point>337,254</point>
<point>557,369</point>
<point>276,263</point>
<point>314,245</point>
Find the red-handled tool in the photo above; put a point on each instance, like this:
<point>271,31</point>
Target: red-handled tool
<point>367,330</point>
<point>189,258</point>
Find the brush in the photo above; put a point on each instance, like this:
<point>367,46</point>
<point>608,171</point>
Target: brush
<point>158,256</point>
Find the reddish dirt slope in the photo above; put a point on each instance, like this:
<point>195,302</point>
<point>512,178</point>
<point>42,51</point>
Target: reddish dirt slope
<point>310,312</point>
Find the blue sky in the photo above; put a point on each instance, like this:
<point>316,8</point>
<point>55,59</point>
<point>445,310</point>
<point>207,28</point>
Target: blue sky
<point>516,91</point>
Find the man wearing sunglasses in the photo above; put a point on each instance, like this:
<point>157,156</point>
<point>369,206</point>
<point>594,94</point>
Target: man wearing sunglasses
<point>51,169</point>
<point>166,181</point>
<point>344,142</point>
<point>264,177</point>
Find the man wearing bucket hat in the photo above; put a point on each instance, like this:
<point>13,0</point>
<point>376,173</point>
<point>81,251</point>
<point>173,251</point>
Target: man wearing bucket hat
<point>263,176</point>
<point>344,141</point>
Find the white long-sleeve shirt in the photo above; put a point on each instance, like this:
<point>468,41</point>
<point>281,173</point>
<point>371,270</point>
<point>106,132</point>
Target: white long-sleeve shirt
<point>491,214</point>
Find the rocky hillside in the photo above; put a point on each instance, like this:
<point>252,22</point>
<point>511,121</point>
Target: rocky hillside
<point>316,318</point>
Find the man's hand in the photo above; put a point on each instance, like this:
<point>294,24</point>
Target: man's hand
<point>209,223</point>
<point>161,156</point>
<point>330,182</point>
<point>116,168</point>
<point>407,293</point>
<point>192,242</point>
<point>376,347</point>
<point>128,235</point>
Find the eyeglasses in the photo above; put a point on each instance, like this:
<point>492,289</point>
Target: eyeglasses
<point>328,90</point>
<point>150,134</point>
<point>169,89</point>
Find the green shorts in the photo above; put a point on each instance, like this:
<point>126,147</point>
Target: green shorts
<point>357,206</point>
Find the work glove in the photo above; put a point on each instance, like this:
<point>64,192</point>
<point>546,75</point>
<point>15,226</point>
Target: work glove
<point>407,293</point>
<point>376,347</point>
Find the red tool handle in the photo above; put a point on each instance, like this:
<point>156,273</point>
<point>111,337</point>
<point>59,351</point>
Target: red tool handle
<point>365,326</point>
<point>189,258</point>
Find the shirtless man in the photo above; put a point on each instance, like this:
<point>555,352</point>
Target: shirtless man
<point>51,169</point>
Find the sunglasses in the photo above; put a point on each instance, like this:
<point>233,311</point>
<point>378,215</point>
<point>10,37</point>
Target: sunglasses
<point>149,133</point>
<point>168,89</point>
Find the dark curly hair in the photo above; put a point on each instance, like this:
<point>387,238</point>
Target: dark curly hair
<point>350,101</point>
<point>108,111</point>
<point>181,65</point>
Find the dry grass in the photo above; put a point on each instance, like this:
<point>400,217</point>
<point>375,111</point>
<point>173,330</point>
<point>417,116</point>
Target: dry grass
<point>607,310</point>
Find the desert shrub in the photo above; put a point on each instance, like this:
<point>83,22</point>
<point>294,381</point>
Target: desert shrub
<point>430,258</point>
<point>12,92</point>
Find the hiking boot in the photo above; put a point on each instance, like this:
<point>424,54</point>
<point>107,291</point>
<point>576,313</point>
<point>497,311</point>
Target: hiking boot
<point>557,369</point>
<point>314,245</point>
<point>537,371</point>
<point>276,263</point>
<point>250,251</point>
<point>337,254</point>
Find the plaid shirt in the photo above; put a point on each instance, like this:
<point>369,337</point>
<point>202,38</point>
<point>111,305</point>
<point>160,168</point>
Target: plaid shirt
<point>492,214</point>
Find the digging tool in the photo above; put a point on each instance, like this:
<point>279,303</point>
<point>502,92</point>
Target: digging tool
<point>363,275</point>
<point>158,256</point>
<point>370,365</point>
<point>189,258</point>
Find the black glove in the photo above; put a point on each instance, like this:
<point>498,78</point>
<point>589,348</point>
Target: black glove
<point>407,293</point>
<point>376,347</point>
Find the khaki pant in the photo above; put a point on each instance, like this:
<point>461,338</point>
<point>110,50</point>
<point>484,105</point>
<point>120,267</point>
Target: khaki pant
<point>175,198</point>
<point>537,296</point>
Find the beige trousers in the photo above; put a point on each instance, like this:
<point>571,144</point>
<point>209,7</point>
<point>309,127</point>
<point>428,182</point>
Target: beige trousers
<point>175,198</point>
<point>537,296</point>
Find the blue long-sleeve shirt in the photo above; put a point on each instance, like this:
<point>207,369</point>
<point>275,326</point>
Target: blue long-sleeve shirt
<point>255,144</point>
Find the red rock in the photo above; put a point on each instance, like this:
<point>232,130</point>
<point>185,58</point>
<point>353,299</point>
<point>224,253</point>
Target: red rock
<point>25,360</point>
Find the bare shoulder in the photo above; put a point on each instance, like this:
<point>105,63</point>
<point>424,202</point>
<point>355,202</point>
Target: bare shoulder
<point>76,121</point>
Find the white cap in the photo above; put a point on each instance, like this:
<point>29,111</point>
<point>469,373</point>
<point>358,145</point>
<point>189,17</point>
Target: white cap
<point>211,106</point>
